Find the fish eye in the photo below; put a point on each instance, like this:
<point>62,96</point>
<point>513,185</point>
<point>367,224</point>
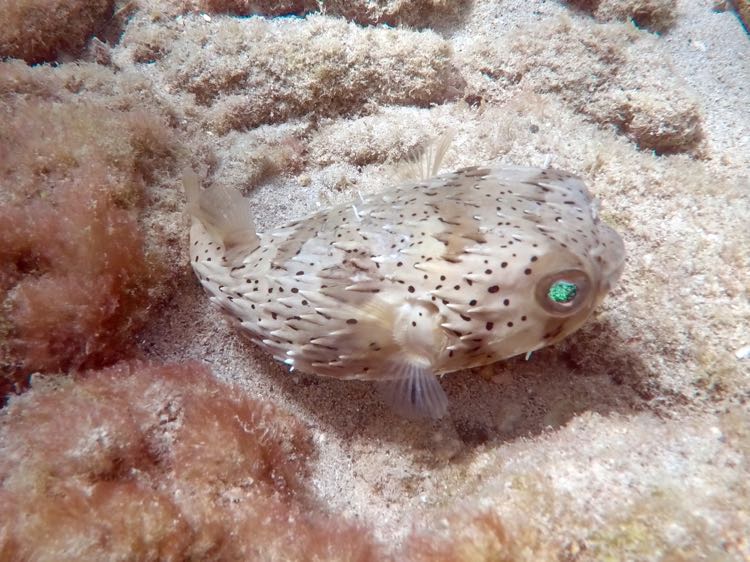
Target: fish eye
<point>563,293</point>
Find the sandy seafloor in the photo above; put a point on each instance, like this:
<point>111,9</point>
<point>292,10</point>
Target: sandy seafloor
<point>633,433</point>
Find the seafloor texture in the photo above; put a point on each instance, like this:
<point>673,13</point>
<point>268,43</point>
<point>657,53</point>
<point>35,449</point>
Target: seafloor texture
<point>628,441</point>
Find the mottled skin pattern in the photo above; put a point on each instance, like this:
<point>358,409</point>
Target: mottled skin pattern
<point>444,274</point>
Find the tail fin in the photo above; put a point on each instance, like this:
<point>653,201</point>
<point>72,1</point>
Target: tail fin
<point>224,213</point>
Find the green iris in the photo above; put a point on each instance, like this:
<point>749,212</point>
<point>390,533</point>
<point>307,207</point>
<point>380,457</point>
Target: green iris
<point>562,291</point>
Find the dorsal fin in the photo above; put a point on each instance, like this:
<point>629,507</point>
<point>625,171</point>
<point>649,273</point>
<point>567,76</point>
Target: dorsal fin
<point>424,162</point>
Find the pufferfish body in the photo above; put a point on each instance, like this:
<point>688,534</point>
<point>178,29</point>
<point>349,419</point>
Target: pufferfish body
<point>433,276</point>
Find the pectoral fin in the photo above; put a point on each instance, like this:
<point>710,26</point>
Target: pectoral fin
<point>413,391</point>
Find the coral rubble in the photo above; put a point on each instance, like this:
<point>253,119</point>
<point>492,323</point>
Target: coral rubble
<point>41,30</point>
<point>655,15</point>
<point>151,462</point>
<point>602,75</point>
<point>320,66</point>
<point>392,12</point>
<point>77,279</point>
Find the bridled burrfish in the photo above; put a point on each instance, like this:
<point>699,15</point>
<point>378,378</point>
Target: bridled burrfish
<point>451,272</point>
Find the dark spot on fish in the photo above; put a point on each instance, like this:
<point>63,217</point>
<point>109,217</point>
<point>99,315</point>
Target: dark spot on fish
<point>351,321</point>
<point>489,326</point>
<point>493,289</point>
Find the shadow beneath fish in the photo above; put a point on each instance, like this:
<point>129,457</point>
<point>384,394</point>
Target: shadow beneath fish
<point>594,370</point>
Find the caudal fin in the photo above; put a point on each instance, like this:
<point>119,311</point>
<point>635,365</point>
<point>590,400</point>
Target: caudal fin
<point>224,213</point>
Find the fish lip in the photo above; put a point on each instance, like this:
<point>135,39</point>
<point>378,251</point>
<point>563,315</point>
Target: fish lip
<point>614,254</point>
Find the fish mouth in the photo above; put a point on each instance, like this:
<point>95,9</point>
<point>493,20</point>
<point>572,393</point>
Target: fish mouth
<point>612,250</point>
